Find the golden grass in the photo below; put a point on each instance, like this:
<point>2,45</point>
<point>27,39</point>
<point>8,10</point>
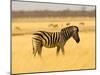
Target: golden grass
<point>28,26</point>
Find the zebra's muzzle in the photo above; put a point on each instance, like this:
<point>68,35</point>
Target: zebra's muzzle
<point>78,40</point>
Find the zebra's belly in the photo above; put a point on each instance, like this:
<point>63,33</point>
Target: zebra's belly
<point>49,46</point>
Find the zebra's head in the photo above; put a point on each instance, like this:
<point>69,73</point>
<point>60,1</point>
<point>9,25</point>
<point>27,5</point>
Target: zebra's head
<point>71,31</point>
<point>75,34</point>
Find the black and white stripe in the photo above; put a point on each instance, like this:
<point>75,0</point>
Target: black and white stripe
<point>53,39</point>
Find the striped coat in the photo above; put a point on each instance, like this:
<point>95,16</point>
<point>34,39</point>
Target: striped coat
<point>53,39</point>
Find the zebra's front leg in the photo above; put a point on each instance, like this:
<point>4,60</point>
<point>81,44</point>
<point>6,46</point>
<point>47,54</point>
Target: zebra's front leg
<point>58,49</point>
<point>62,49</point>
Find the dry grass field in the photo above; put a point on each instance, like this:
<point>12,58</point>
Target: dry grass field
<point>77,56</point>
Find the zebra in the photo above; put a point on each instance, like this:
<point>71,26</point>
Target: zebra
<point>54,39</point>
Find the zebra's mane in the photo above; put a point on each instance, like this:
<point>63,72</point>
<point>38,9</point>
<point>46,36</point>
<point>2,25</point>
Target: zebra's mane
<point>70,27</point>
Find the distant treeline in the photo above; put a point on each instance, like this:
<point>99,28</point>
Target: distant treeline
<point>47,13</point>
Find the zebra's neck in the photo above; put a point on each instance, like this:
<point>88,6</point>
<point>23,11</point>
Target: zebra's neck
<point>66,34</point>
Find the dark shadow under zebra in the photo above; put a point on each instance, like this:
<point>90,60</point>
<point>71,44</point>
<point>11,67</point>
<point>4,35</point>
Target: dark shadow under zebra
<point>54,39</point>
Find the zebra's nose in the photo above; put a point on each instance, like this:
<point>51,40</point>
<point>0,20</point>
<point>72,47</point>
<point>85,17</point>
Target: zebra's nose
<point>78,41</point>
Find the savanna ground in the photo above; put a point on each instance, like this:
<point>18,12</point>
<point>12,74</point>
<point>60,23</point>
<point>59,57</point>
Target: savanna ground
<point>77,56</point>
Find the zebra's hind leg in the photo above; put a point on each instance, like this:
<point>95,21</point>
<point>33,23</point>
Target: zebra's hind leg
<point>40,50</point>
<point>58,49</point>
<point>34,47</point>
<point>35,53</point>
<point>62,49</point>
